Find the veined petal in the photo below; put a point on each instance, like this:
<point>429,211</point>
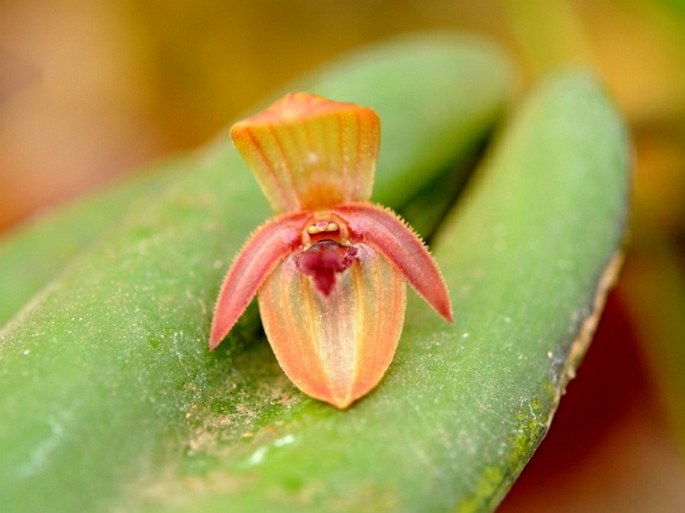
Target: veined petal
<point>335,347</point>
<point>310,153</point>
<point>267,246</point>
<point>390,236</point>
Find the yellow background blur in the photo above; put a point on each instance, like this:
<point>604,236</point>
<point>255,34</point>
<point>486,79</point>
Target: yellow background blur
<point>91,89</point>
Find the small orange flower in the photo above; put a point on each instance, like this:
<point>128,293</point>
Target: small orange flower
<point>330,269</point>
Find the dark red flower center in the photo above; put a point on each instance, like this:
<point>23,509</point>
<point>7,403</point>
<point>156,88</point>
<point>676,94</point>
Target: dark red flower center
<point>323,260</point>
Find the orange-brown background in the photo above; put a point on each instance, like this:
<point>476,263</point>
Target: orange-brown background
<point>89,90</point>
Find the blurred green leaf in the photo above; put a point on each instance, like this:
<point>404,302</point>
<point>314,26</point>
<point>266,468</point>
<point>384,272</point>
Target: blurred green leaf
<point>106,384</point>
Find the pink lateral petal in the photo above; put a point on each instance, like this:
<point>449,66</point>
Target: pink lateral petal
<point>267,246</point>
<point>310,153</point>
<point>392,237</point>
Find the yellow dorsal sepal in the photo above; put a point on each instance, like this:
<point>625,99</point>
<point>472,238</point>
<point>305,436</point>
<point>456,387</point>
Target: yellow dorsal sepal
<point>311,153</point>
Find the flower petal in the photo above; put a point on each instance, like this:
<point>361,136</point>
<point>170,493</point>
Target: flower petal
<point>262,252</point>
<point>310,153</point>
<point>390,236</point>
<point>335,347</point>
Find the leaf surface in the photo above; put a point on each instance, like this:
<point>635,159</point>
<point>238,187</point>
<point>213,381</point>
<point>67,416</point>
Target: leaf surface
<point>107,390</point>
<point>528,257</point>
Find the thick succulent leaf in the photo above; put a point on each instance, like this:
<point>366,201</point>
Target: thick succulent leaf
<point>463,406</point>
<point>106,384</point>
<point>335,347</point>
<point>46,243</point>
<point>528,258</point>
<point>311,153</point>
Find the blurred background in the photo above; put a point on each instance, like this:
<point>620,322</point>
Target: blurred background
<point>89,90</point>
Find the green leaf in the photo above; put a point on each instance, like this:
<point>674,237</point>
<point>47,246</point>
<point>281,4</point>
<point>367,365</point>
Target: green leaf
<point>107,390</point>
<point>528,257</point>
<point>47,244</point>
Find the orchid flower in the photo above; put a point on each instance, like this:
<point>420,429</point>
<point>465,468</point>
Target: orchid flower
<point>330,270</point>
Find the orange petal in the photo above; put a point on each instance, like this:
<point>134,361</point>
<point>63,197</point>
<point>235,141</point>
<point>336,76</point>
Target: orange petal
<point>390,236</point>
<point>335,347</point>
<point>262,252</point>
<point>310,153</point>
